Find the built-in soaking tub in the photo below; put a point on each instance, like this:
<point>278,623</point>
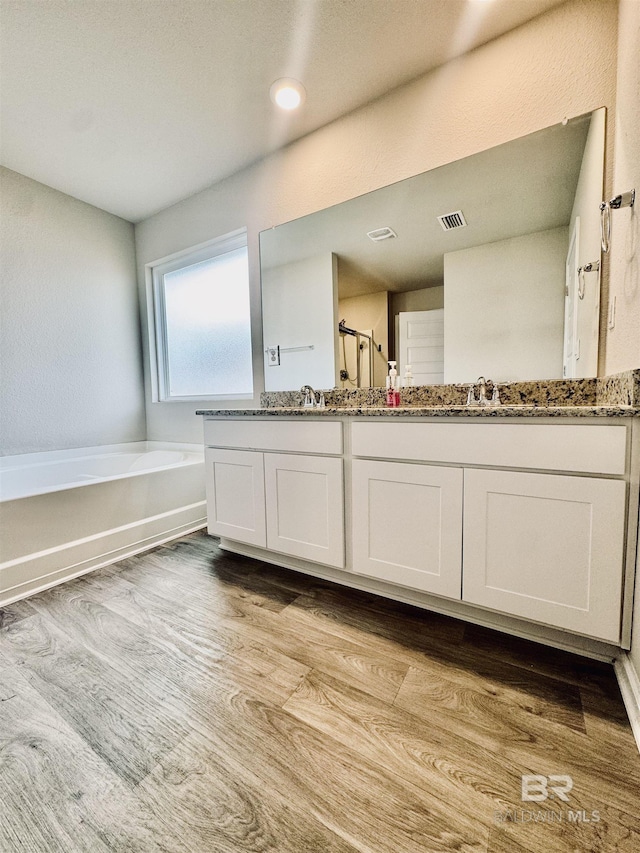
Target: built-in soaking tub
<point>63,513</point>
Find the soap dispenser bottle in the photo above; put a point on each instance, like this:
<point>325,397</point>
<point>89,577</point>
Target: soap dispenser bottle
<point>393,393</point>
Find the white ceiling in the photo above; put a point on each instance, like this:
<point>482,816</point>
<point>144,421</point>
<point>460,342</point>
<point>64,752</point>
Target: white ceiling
<point>132,105</point>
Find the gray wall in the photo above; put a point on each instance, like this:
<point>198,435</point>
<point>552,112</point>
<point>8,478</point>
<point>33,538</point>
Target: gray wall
<point>557,65</point>
<point>623,348</point>
<point>623,341</point>
<point>503,309</point>
<point>71,365</point>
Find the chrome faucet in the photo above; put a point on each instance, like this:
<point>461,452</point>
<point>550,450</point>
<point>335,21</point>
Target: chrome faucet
<point>309,397</point>
<point>482,393</point>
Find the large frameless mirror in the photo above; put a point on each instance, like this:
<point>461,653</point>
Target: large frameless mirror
<point>490,265</point>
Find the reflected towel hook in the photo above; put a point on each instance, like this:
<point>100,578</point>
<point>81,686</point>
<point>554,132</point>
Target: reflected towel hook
<point>605,226</point>
<point>593,266</point>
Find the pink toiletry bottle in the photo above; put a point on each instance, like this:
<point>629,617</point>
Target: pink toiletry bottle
<point>393,393</point>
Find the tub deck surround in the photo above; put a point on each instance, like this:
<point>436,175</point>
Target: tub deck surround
<point>33,474</point>
<point>67,512</point>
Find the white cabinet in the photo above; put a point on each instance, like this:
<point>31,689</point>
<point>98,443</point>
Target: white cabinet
<point>275,434</point>
<point>290,503</point>
<point>546,547</point>
<point>407,525</point>
<point>591,449</point>
<point>521,518</point>
<point>235,495</point>
<point>305,513</point>
<point>540,545</point>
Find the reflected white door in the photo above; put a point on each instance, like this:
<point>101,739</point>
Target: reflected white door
<point>421,344</point>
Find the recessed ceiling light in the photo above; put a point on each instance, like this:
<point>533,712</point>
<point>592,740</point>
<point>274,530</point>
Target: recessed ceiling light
<point>287,93</point>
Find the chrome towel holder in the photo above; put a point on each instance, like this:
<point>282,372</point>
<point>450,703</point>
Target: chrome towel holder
<point>592,266</point>
<point>625,200</point>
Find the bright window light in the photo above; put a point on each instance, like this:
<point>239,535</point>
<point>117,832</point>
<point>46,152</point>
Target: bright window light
<point>203,329</point>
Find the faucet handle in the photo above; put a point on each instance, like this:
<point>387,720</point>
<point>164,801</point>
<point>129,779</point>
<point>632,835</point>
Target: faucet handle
<point>471,398</point>
<point>495,396</point>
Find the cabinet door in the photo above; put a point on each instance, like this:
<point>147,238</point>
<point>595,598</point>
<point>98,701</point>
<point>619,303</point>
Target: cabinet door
<point>235,495</point>
<point>305,507</point>
<point>407,525</point>
<point>546,547</point>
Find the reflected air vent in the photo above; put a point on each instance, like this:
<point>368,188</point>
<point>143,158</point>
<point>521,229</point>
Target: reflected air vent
<point>381,234</point>
<point>452,220</point>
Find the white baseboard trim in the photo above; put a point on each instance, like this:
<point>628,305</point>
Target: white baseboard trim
<point>630,688</point>
<point>85,555</point>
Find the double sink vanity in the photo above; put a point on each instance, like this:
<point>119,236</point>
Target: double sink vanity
<point>522,517</point>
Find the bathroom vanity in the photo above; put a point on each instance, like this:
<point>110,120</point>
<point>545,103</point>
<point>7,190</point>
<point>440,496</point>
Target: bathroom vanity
<point>523,518</point>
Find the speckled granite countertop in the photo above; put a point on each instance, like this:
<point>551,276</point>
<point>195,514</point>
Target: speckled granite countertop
<point>605,397</point>
<point>427,412</point>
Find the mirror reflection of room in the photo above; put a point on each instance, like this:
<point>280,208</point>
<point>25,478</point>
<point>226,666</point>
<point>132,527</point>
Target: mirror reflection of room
<point>475,267</point>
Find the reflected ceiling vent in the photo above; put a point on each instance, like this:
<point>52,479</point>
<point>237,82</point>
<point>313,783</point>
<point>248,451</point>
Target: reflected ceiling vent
<point>448,221</point>
<point>381,234</point>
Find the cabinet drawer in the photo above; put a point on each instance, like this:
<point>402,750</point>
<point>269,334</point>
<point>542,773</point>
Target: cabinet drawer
<point>588,448</point>
<point>290,436</point>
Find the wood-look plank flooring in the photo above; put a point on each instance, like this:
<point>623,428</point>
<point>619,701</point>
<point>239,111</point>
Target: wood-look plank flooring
<point>192,701</point>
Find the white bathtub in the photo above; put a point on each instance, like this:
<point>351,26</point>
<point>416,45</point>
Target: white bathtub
<point>63,513</point>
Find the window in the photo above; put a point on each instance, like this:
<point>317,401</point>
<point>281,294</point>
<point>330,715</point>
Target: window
<point>202,322</point>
